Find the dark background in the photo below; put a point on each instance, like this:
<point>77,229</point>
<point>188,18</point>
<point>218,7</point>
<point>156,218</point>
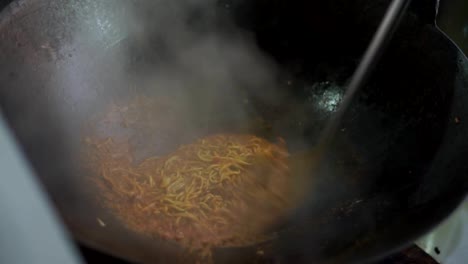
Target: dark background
<point>453,20</point>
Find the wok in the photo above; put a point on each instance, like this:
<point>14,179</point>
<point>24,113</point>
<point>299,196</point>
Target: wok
<point>270,68</point>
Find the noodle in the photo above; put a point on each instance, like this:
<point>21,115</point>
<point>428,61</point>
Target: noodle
<point>203,195</point>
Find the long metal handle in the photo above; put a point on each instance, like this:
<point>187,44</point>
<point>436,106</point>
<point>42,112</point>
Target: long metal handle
<point>374,51</point>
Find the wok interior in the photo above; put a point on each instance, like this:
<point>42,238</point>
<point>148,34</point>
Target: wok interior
<point>283,74</point>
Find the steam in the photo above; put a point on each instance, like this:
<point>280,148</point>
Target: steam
<point>192,46</point>
<point>188,52</point>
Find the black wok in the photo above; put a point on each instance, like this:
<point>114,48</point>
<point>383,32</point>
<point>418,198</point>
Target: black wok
<point>396,168</point>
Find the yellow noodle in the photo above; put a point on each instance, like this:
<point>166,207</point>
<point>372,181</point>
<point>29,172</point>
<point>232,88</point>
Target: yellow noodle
<point>200,188</point>
<point>170,160</point>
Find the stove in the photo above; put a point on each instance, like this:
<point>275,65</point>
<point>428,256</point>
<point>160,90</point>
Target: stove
<point>411,255</point>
